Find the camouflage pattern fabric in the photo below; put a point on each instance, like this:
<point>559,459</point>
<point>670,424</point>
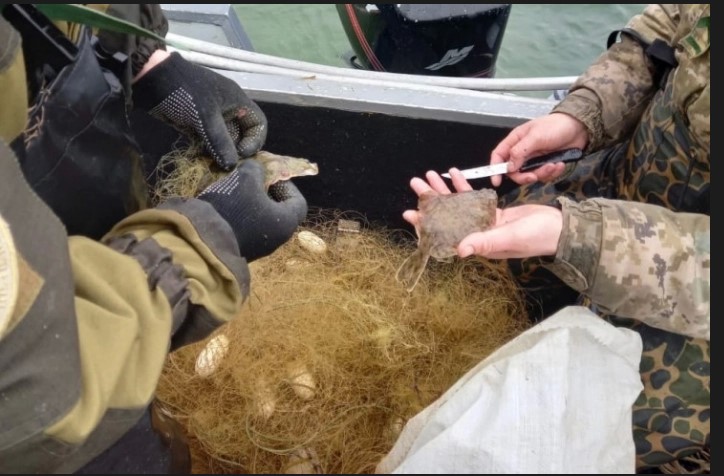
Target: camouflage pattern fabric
<point>613,94</point>
<point>640,261</point>
<point>663,163</point>
<point>651,145</point>
<point>672,417</point>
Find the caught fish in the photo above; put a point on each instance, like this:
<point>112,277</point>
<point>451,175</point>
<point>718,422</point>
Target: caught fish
<point>283,167</point>
<point>444,221</point>
<point>277,168</point>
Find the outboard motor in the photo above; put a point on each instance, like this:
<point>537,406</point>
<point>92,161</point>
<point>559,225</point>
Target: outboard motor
<point>427,39</point>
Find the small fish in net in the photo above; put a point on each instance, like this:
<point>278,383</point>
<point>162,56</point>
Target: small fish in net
<point>191,172</point>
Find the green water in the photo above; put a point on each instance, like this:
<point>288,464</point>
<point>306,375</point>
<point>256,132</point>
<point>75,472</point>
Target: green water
<point>540,40</point>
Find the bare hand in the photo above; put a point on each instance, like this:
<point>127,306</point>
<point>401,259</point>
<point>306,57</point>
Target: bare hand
<point>434,183</point>
<point>553,132</point>
<point>519,232</point>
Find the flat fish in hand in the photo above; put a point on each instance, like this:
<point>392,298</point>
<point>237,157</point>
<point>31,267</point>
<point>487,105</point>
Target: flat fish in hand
<point>444,221</point>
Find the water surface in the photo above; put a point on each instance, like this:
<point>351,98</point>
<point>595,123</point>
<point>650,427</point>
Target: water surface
<point>540,40</point>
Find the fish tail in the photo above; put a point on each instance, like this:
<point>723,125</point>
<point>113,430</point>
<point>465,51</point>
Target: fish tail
<point>411,269</point>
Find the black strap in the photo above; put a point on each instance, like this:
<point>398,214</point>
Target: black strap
<point>47,50</point>
<point>660,52</point>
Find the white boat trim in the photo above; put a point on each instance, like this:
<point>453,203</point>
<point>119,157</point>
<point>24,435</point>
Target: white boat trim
<point>271,79</point>
<point>414,101</point>
<point>240,60</point>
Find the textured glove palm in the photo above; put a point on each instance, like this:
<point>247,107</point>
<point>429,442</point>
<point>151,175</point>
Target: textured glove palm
<point>204,104</point>
<point>261,223</point>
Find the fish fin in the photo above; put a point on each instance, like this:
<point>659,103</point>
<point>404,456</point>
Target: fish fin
<point>411,269</point>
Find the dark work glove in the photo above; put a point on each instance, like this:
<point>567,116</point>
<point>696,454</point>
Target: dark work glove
<point>262,221</point>
<point>203,104</point>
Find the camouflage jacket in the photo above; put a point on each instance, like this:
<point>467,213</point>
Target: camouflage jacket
<point>638,260</point>
<point>611,96</point>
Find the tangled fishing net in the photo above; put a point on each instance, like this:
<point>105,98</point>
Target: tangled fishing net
<point>184,173</point>
<point>330,355</point>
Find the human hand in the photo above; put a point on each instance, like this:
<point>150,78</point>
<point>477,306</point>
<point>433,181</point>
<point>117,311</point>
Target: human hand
<point>434,184</point>
<point>203,104</point>
<point>522,231</point>
<point>550,133</point>
<point>262,221</point>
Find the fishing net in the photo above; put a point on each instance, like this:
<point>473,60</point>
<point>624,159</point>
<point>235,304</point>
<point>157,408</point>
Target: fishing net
<point>330,355</point>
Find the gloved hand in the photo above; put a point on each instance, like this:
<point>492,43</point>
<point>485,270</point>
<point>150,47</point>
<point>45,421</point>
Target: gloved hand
<point>202,103</point>
<point>262,221</point>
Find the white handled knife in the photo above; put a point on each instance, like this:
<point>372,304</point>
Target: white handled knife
<point>567,155</point>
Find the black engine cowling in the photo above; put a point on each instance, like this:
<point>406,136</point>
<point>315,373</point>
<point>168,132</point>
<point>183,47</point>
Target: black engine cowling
<point>428,39</point>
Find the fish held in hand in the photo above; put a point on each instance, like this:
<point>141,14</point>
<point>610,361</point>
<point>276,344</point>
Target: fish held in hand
<point>444,221</point>
<point>283,167</point>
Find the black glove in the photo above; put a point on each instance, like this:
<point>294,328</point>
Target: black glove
<point>262,221</point>
<point>202,103</point>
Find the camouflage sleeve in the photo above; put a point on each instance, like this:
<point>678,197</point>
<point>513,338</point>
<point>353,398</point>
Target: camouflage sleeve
<point>612,94</point>
<point>639,261</point>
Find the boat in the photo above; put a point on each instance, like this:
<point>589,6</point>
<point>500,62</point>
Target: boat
<point>370,132</point>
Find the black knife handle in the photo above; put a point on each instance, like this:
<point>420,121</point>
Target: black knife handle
<point>567,155</point>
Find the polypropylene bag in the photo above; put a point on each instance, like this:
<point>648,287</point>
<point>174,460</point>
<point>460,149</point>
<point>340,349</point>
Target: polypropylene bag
<point>557,399</point>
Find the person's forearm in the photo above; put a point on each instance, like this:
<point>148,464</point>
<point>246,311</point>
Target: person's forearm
<point>640,261</point>
<point>196,237</point>
<point>612,94</point>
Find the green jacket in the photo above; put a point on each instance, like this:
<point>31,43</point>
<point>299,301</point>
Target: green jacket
<point>85,326</point>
